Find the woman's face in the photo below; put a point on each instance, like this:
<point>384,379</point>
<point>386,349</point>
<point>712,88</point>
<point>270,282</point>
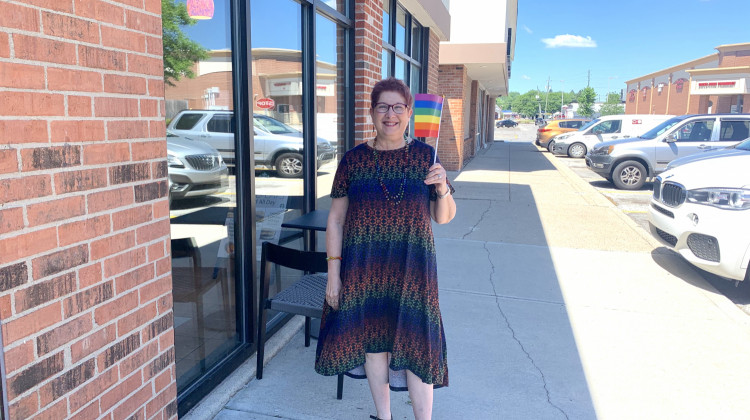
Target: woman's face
<point>391,126</point>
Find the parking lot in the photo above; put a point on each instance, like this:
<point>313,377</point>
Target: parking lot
<point>635,204</point>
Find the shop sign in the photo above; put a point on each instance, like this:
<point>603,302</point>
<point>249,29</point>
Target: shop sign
<point>644,90</point>
<point>631,94</point>
<point>720,87</point>
<point>265,103</point>
<point>679,84</point>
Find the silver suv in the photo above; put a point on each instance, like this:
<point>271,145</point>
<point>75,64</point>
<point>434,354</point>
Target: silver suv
<point>277,145</point>
<point>628,162</point>
<point>195,168</point>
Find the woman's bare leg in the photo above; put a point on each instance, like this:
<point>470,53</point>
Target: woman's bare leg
<point>421,396</point>
<point>376,368</point>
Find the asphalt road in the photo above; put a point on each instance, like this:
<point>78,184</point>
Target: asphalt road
<point>633,203</point>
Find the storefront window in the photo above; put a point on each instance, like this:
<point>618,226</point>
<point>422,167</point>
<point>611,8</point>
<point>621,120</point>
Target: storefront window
<point>400,29</point>
<point>330,93</point>
<point>200,147</point>
<point>386,20</point>
<point>385,69</point>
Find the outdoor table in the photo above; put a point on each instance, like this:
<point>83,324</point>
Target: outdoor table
<point>314,220</point>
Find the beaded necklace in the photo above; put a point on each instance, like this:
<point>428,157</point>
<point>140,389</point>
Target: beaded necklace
<point>395,200</point>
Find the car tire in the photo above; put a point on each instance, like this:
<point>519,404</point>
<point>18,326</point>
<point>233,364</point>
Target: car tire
<point>289,165</point>
<point>550,146</point>
<point>577,150</point>
<point>629,175</point>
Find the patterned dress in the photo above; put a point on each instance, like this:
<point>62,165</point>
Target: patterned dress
<point>389,296</point>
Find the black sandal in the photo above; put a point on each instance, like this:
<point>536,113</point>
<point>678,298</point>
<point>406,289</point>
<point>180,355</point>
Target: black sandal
<point>378,418</point>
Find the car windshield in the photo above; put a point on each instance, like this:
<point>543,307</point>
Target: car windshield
<point>589,124</point>
<point>272,126</point>
<point>661,128</point>
<point>745,145</point>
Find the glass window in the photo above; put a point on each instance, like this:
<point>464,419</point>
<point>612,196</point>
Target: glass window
<point>386,20</point>
<point>187,121</point>
<point>401,69</point>
<point>331,113</point>
<point>698,130</point>
<point>734,130</point>
<point>202,203</point>
<point>273,126</point>
<point>400,29</point>
<point>416,41</point>
<point>385,69</point>
<point>607,127</point>
<point>339,5</point>
<point>221,124</point>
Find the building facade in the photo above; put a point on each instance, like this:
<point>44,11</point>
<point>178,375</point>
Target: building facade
<point>120,298</point>
<point>716,83</point>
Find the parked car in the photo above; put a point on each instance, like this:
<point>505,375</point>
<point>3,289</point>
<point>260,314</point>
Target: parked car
<point>628,163</point>
<point>702,210</point>
<point>280,152</point>
<point>610,127</point>
<point>195,168</point>
<point>506,123</point>
<point>555,127</point>
<point>739,149</point>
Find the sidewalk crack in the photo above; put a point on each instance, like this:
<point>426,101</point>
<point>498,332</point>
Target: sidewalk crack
<point>481,218</point>
<point>513,333</point>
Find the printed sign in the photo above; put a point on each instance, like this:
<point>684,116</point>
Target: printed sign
<point>265,103</point>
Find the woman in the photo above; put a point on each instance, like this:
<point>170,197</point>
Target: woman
<point>381,320</point>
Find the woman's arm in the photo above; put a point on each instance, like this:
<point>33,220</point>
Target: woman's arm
<point>334,244</point>
<point>442,210</point>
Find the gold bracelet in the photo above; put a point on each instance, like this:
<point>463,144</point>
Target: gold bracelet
<point>334,258</point>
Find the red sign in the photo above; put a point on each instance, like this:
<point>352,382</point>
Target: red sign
<point>635,122</point>
<point>265,103</point>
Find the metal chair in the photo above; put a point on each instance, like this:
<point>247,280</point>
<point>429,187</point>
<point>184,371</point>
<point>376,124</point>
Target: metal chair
<point>304,297</point>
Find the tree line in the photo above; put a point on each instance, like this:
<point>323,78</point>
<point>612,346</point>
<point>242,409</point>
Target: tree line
<point>534,102</point>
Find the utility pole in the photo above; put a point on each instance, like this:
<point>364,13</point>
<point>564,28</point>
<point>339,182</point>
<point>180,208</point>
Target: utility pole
<point>546,97</point>
<point>588,81</point>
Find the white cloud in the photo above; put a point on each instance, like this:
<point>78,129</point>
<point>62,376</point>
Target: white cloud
<point>567,40</point>
<point>525,77</point>
<point>527,29</point>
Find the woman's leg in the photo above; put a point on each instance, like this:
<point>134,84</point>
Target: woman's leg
<point>376,368</point>
<point>421,396</point>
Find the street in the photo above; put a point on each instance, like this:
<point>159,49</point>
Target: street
<point>632,203</point>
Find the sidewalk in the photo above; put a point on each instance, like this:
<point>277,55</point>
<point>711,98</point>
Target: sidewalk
<point>556,306</point>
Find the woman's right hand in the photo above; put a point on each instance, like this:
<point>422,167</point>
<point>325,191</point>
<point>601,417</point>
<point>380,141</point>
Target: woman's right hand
<point>333,289</point>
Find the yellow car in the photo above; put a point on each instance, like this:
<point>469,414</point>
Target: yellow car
<point>555,127</point>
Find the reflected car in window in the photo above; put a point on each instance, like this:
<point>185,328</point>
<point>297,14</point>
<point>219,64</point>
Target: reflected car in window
<point>195,168</point>
<point>277,145</point>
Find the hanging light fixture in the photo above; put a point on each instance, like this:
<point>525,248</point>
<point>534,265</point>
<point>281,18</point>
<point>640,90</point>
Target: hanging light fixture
<point>200,9</point>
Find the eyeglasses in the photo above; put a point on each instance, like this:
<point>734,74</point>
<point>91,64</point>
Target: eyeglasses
<point>382,108</point>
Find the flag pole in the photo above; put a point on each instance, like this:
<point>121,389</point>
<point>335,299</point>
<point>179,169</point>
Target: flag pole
<point>440,121</point>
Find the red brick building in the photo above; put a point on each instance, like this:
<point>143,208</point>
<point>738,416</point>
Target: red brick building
<point>716,83</point>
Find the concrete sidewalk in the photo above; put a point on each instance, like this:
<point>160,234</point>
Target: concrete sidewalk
<point>556,306</point>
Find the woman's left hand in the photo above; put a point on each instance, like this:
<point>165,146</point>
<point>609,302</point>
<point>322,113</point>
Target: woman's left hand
<point>436,175</point>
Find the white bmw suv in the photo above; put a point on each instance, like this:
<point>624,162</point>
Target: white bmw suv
<point>702,210</point>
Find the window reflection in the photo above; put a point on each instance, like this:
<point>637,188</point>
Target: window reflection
<point>386,20</point>
<point>200,147</point>
<point>400,29</point>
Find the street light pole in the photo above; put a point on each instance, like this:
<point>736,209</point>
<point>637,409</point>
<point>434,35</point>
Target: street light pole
<point>562,98</point>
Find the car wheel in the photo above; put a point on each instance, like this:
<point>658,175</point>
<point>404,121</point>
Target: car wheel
<point>550,146</point>
<point>289,165</point>
<point>577,150</point>
<point>629,175</point>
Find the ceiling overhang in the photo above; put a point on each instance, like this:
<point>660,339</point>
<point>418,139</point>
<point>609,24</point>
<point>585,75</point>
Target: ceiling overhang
<point>485,63</point>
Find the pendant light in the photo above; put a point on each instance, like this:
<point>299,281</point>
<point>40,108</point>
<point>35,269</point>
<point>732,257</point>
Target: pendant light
<point>200,9</point>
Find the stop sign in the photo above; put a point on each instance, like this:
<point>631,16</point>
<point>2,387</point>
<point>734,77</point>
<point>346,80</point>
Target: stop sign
<point>265,103</point>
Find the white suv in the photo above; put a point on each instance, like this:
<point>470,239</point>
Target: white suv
<point>702,210</point>
<point>282,151</point>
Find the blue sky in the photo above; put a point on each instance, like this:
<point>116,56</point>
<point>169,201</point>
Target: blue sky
<point>617,40</point>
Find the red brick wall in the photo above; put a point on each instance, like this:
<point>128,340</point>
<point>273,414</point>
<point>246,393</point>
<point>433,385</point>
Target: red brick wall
<point>678,98</point>
<point>735,59</point>
<point>368,47</point>
<point>453,81</point>
<point>85,272</point>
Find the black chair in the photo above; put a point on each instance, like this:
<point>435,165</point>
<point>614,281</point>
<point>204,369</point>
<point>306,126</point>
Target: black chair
<point>304,297</point>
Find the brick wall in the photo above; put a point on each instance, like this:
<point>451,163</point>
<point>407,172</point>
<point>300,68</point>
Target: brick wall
<point>433,82</point>
<point>453,82</point>
<point>368,47</point>
<point>85,272</point>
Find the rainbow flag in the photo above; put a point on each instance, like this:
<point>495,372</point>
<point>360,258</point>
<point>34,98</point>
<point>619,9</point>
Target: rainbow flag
<point>427,111</point>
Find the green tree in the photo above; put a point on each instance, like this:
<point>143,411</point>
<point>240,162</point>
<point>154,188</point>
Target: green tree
<point>180,52</point>
<point>586,101</point>
<point>613,106</point>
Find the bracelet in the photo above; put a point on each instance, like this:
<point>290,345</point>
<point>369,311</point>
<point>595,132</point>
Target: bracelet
<point>334,258</point>
<point>448,191</point>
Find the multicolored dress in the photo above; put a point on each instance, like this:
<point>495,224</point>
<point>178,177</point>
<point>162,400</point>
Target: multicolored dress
<point>389,296</point>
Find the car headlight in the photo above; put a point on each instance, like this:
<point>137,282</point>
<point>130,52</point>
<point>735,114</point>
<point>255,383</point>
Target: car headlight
<point>723,198</point>
<point>602,150</point>
<point>174,162</point>
<point>562,137</point>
